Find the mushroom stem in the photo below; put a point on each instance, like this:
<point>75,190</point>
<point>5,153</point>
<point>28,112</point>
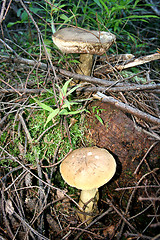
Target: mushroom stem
<point>88,202</point>
<point>85,66</point>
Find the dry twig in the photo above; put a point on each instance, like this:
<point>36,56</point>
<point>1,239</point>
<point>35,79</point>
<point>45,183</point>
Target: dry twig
<point>126,108</point>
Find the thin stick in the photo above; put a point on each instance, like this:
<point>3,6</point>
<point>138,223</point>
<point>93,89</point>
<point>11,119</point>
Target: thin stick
<point>150,148</point>
<point>149,199</point>
<point>124,88</point>
<point>55,188</point>
<point>129,188</point>
<point>126,108</point>
<point>10,87</point>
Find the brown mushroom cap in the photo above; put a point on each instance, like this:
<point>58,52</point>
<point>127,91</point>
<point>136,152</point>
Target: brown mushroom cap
<point>75,40</point>
<point>88,168</point>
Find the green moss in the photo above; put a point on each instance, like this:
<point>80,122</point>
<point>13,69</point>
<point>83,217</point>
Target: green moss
<point>127,74</point>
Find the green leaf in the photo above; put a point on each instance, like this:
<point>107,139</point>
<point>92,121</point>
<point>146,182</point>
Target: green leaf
<point>73,103</point>
<point>73,89</point>
<point>93,109</point>
<point>65,112</point>
<point>98,3</point>
<point>142,16</point>
<point>19,12</point>
<point>65,87</point>
<point>47,42</point>
<point>76,112</point>
<point>60,92</point>
<point>99,119</point>
<point>42,105</point>
<point>64,17</point>
<point>74,61</point>
<point>52,115</point>
<point>66,104</point>
<point>70,103</point>
<point>24,16</point>
<point>10,24</point>
<point>105,6</point>
<point>135,4</point>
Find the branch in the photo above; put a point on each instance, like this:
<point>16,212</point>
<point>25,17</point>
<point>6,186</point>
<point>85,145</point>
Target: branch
<point>23,90</point>
<point>80,77</point>
<point>2,11</point>
<point>44,66</point>
<point>126,108</point>
<point>124,88</point>
<point>139,61</point>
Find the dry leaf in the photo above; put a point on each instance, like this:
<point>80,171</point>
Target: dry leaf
<point>9,207</point>
<point>109,231</point>
<point>28,179</point>
<point>60,194</point>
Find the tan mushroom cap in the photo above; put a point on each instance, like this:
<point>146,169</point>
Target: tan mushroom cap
<point>88,168</point>
<point>75,40</point>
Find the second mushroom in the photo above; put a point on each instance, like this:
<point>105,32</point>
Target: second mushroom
<point>88,169</point>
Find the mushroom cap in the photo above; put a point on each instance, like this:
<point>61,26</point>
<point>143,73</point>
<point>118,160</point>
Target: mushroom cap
<point>88,168</point>
<point>75,40</point>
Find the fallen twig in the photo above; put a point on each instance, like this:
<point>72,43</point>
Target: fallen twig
<point>94,221</point>
<point>125,107</point>
<point>133,187</point>
<point>44,66</point>
<point>80,77</point>
<point>123,88</point>
<point>139,61</point>
<point>149,199</point>
<point>131,197</point>
<point>37,177</point>
<point>144,157</point>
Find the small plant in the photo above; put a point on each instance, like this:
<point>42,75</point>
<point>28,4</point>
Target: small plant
<point>64,104</point>
<point>97,111</point>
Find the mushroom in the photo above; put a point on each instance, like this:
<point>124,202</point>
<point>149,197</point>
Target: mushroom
<point>85,42</point>
<point>88,169</point>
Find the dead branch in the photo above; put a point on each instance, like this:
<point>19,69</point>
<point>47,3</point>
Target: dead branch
<point>23,90</point>
<point>130,188</point>
<point>89,79</point>
<point>126,108</point>
<point>44,66</point>
<point>139,61</point>
<point>121,215</point>
<point>131,196</point>
<point>124,88</point>
<point>2,11</point>
<point>94,221</point>
<point>137,236</point>
<point>149,198</point>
